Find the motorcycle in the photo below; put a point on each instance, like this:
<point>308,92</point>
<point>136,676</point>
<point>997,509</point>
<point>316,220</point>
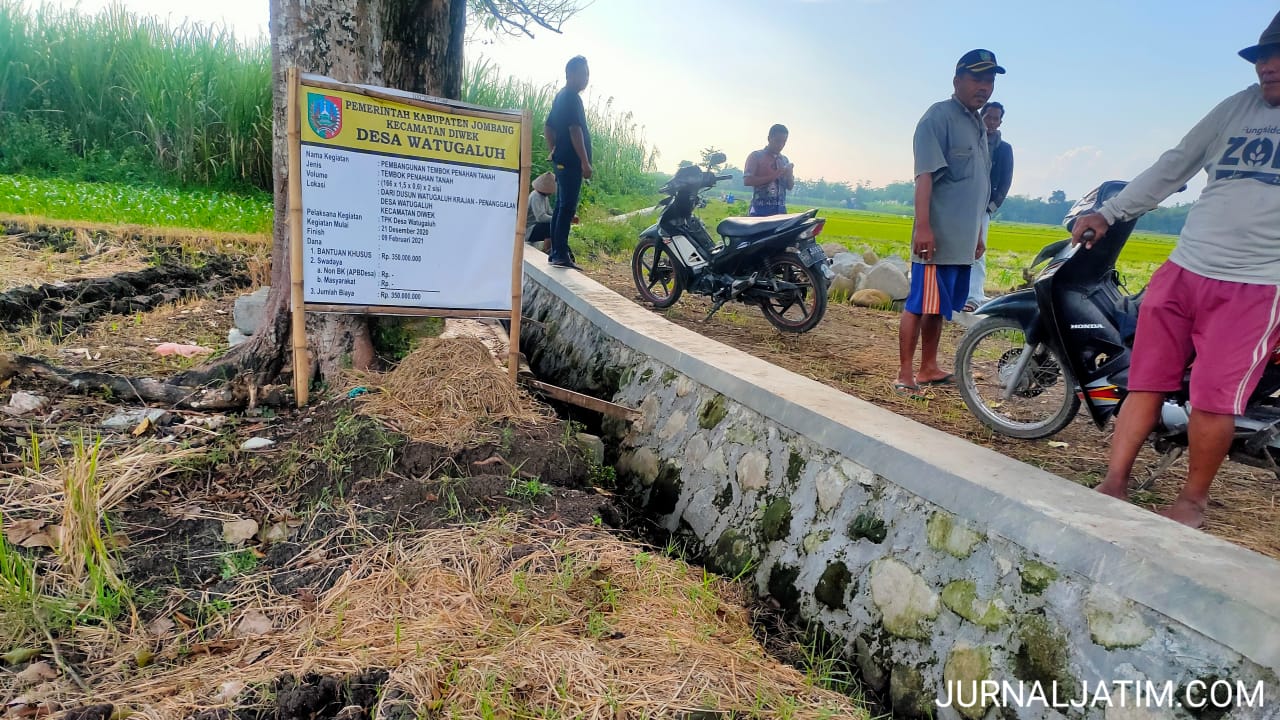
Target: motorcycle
<point>1038,353</point>
<point>772,262</point>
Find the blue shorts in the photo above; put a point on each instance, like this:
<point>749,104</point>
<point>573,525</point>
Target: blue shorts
<point>938,289</point>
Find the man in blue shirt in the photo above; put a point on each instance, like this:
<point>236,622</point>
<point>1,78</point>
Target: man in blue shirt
<point>570,142</point>
<point>1001,179</point>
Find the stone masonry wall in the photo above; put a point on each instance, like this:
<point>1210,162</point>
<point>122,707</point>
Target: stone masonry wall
<point>936,562</point>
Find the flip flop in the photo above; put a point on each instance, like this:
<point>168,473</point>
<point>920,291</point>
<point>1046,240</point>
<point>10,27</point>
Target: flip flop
<point>908,391</point>
<point>948,379</point>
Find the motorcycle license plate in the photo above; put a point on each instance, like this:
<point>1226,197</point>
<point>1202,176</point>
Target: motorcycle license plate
<point>813,254</point>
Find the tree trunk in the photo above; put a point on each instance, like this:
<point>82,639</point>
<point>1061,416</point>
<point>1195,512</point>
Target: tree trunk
<point>413,45</point>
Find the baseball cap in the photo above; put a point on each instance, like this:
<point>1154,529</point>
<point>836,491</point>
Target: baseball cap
<point>979,61</point>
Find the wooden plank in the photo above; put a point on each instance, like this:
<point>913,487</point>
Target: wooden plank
<point>603,407</point>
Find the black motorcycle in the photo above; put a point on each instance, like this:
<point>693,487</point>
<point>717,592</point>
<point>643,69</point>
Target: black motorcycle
<point>772,262</point>
<point>1037,353</point>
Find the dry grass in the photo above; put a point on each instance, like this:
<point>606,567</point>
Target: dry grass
<point>62,500</point>
<point>87,257</point>
<point>202,240</point>
<point>493,620</point>
<point>449,393</point>
<point>126,344</point>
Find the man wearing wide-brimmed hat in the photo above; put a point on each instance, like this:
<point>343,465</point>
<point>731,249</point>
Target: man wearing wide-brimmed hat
<point>538,224</point>
<point>1218,296</point>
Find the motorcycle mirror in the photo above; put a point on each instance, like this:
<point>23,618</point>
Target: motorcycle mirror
<point>716,159</point>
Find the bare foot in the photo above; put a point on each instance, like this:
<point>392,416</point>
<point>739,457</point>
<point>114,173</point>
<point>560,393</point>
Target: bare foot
<point>1115,488</point>
<point>1187,512</point>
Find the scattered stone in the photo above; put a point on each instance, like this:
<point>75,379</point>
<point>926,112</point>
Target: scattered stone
<point>843,286</point>
<point>129,419</point>
<point>24,402</point>
<point>871,298</point>
<point>899,263</point>
<point>235,337</point>
<point>592,446</point>
<point>887,277</point>
<point>833,249</point>
<point>249,310</point>
<point>844,263</point>
<point>870,258</point>
<point>257,443</point>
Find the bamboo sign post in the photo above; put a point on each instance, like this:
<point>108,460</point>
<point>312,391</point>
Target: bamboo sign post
<point>403,204</point>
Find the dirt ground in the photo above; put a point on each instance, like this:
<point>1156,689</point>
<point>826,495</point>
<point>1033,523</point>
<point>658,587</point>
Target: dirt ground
<point>855,350</point>
<point>341,569</point>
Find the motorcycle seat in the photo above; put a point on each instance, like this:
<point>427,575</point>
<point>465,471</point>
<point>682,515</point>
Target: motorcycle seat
<point>744,226</point>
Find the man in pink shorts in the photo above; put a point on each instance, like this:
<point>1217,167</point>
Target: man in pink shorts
<point>1219,293</point>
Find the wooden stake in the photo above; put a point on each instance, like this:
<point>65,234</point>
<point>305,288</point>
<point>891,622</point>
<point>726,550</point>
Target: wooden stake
<point>517,259</point>
<point>301,367</point>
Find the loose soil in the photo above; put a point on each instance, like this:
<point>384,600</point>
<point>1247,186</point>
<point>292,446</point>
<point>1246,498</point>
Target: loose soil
<point>256,583</point>
<point>855,350</point>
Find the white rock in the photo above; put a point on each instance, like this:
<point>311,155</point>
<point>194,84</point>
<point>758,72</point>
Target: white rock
<point>889,279</point>
<point>235,337</point>
<point>249,310</point>
<point>24,402</point>
<point>257,443</point>
<point>843,264</point>
<point>129,419</point>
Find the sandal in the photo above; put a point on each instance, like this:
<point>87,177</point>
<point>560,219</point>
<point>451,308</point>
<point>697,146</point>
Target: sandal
<point>911,392</point>
<point>948,379</point>
<point>969,307</point>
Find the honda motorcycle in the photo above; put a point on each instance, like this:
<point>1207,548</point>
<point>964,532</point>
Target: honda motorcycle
<point>771,262</point>
<point>1038,353</point>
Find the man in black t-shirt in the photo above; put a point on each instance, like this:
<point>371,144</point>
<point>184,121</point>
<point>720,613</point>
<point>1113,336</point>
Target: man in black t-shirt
<point>570,142</point>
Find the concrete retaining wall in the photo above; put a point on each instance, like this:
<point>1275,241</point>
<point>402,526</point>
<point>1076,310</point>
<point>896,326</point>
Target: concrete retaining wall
<point>938,562</point>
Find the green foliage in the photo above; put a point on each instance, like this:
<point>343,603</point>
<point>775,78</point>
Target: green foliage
<point>122,97</point>
<point>190,103</point>
<point>132,204</point>
<point>238,563</point>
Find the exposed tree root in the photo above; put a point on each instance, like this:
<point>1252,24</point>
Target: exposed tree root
<point>232,396</point>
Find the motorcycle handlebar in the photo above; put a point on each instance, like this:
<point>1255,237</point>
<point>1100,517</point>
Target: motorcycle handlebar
<point>724,177</point>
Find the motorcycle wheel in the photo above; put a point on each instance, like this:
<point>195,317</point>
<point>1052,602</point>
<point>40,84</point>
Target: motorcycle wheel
<point>1045,401</point>
<point>801,314</point>
<point>658,279</point>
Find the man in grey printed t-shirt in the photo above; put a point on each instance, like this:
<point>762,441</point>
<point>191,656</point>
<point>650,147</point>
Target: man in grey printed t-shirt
<point>953,186</point>
<point>1218,296</point>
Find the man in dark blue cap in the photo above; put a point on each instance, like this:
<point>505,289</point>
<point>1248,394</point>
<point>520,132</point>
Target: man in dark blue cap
<point>953,187</point>
<point>1218,296</point>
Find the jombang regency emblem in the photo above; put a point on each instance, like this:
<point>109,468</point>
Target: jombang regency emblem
<point>324,114</point>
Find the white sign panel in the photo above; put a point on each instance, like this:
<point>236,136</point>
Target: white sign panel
<point>406,207</point>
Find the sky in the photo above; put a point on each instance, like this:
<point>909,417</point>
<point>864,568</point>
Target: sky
<point>1095,89</point>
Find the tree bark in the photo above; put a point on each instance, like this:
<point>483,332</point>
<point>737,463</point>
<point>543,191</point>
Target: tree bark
<point>413,45</point>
